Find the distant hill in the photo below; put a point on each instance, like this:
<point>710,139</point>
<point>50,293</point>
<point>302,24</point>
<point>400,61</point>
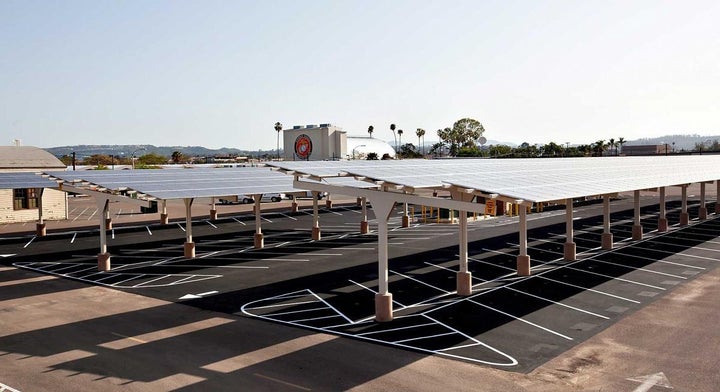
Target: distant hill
<point>142,149</point>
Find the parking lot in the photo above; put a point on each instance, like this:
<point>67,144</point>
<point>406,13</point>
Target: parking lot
<point>513,323</point>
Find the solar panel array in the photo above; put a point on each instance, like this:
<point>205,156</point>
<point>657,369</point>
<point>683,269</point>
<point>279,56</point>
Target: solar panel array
<point>535,180</point>
<point>188,183</point>
<point>24,180</point>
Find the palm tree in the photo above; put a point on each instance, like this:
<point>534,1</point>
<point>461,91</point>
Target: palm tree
<point>370,130</point>
<point>622,141</point>
<point>278,128</point>
<point>420,133</point>
<point>612,145</point>
<point>600,147</point>
<point>400,132</point>
<point>392,128</point>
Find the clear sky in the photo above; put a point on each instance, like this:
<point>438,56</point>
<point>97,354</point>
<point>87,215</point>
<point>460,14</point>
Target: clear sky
<point>221,73</point>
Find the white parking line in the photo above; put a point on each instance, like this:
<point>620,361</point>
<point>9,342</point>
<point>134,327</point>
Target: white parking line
<point>210,223</point>
<point>72,240</point>
<point>331,307</point>
<point>93,214</point>
<point>30,242</point>
<point>523,320</point>
<point>148,230</point>
<point>266,220</point>
<point>331,211</point>
<point>420,281</point>
<point>615,278</point>
<point>656,260</point>
<point>395,329</point>
<point>288,216</point>
<point>180,226</point>
<point>588,289</point>
<point>639,269</point>
<point>283,304</point>
<point>351,210</point>
<point>239,221</point>
<point>423,337</point>
<point>152,280</point>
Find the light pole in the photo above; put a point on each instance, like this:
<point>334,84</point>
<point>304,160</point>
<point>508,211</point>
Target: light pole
<point>278,128</point>
<point>132,158</point>
<point>356,147</point>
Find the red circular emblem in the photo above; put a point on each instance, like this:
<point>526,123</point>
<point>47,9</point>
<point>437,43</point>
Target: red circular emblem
<point>303,146</point>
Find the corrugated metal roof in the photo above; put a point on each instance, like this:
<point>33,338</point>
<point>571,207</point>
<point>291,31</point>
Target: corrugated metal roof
<point>27,157</point>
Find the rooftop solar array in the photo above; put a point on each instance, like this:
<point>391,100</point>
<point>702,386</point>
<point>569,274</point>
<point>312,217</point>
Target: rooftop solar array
<point>535,180</point>
<point>24,180</point>
<point>188,183</point>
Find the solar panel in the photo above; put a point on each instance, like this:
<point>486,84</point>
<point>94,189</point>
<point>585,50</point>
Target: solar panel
<point>24,180</point>
<point>527,179</point>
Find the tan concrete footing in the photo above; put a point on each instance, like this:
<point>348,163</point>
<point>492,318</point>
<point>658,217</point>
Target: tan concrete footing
<point>464,283</point>
<point>108,223</point>
<point>662,225</point>
<point>359,202</point>
<point>405,221</point>
<point>607,241</point>
<point>523,265</point>
<point>213,214</point>
<point>259,241</point>
<point>569,251</point>
<point>383,307</point>
<point>364,227</point>
<point>103,261</point>
<point>41,229</point>
<point>328,203</point>
<point>702,213</point>
<point>316,233</point>
<point>294,207</point>
<point>189,250</point>
<point>637,232</point>
<point>684,219</point>
<point>164,219</point>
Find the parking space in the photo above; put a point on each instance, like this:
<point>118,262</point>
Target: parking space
<point>511,322</point>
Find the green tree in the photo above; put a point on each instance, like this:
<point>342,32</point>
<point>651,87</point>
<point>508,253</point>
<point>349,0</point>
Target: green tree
<point>464,133</point>
<point>408,150</point>
<point>370,130</point>
<point>552,149</point>
<point>177,157</point>
<point>500,151</point>
<point>152,159</point>
<point>372,156</point>
<point>620,143</point>
<point>611,145</point>
<point>599,147</point>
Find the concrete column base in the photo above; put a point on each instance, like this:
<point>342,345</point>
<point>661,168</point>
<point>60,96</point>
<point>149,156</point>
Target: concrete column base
<point>637,232</point>
<point>294,207</point>
<point>684,219</point>
<point>570,250</point>
<point>464,283</point>
<point>662,225</point>
<point>383,307</point>
<point>164,219</point>
<point>259,240</point>
<point>364,227</point>
<point>316,233</point>
<point>108,223</point>
<point>702,213</point>
<point>359,202</point>
<point>607,241</point>
<point>103,261</point>
<point>405,221</point>
<point>189,250</point>
<point>41,229</point>
<point>213,214</point>
<point>328,203</point>
<point>523,265</point>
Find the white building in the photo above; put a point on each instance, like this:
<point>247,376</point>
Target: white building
<point>21,205</point>
<point>329,142</point>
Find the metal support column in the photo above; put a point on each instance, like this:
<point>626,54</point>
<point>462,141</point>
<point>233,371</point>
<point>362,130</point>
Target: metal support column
<point>684,216</point>
<point>364,226</point>
<point>637,230</point>
<point>570,248</point>
<point>189,244</point>
<point>523,259</point>
<point>213,210</point>
<point>607,237</point>
<point>464,279</point>
<point>258,238</point>
<point>103,257</point>
<point>405,217</point>
<point>316,216</point>
<point>702,211</point>
<point>164,214</point>
<point>662,220</point>
<point>382,207</point>
<point>40,227</point>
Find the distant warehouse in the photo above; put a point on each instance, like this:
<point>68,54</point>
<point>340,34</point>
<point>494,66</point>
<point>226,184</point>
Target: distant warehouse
<point>327,142</point>
<point>646,149</point>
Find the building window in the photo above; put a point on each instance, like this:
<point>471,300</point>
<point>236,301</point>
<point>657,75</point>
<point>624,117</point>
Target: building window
<point>24,199</point>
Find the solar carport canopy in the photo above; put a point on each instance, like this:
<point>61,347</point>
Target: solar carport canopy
<point>168,184</point>
<point>533,180</point>
<point>24,180</point>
